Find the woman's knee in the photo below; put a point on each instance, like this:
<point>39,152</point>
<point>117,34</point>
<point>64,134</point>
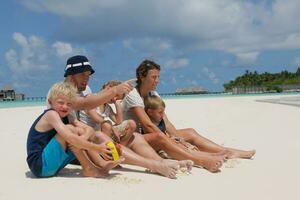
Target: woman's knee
<point>156,138</point>
<point>188,133</point>
<point>191,131</point>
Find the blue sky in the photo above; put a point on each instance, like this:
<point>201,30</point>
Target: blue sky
<point>197,42</point>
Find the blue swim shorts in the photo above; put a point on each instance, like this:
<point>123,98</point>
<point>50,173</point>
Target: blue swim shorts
<point>55,158</point>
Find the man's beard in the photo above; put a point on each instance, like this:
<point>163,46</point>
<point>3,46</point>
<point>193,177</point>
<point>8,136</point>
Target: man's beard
<point>81,87</point>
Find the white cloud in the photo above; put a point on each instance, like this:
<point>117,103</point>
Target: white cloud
<point>11,58</point>
<point>234,26</point>
<point>211,75</point>
<point>155,45</point>
<point>177,63</point>
<point>148,47</point>
<point>247,58</point>
<point>32,56</point>
<point>29,56</point>
<point>62,48</point>
<point>72,8</point>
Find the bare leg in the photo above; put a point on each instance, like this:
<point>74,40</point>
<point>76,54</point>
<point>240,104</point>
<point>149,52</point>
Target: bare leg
<point>186,164</point>
<point>90,159</point>
<point>145,156</point>
<point>160,167</point>
<point>88,168</point>
<point>204,144</point>
<point>141,147</point>
<point>106,127</point>
<point>160,141</point>
<point>168,170</point>
<point>236,153</point>
<point>101,137</point>
<point>103,165</point>
<point>127,135</point>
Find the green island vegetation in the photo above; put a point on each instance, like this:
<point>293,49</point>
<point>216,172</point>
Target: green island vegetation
<point>270,81</point>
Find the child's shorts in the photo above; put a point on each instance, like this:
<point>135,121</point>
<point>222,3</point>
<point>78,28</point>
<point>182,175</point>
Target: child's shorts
<point>122,127</point>
<point>54,158</point>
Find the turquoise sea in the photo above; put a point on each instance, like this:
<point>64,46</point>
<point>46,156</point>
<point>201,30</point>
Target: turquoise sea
<point>14,104</point>
<point>222,95</point>
<point>29,103</point>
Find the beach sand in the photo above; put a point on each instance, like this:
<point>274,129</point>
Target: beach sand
<point>242,122</point>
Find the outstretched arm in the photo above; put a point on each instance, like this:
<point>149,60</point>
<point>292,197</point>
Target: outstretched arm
<point>94,100</point>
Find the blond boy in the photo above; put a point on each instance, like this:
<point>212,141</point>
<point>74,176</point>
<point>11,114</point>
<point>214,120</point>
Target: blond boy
<point>155,109</point>
<point>52,141</point>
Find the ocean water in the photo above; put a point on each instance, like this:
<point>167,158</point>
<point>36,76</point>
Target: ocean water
<point>223,95</point>
<point>14,104</point>
<point>29,103</point>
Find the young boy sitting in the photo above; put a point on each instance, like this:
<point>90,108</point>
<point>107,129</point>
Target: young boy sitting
<point>111,122</point>
<point>52,139</point>
<point>155,109</point>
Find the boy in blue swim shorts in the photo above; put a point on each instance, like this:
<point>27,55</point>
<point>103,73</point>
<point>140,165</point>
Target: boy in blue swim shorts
<point>53,141</point>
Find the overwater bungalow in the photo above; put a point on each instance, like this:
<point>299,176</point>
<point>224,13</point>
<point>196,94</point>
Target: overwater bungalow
<point>9,94</point>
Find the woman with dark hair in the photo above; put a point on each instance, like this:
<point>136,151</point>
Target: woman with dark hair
<point>210,155</point>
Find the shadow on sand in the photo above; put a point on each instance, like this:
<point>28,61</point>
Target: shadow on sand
<point>70,172</point>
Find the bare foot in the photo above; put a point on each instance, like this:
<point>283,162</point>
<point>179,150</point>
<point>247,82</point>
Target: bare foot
<point>234,153</point>
<point>108,165</point>
<point>101,171</point>
<point>165,168</point>
<point>178,164</point>
<point>93,172</point>
<point>213,163</point>
<point>171,163</point>
<point>187,164</point>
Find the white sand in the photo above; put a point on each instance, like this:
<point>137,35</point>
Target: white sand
<point>242,122</point>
